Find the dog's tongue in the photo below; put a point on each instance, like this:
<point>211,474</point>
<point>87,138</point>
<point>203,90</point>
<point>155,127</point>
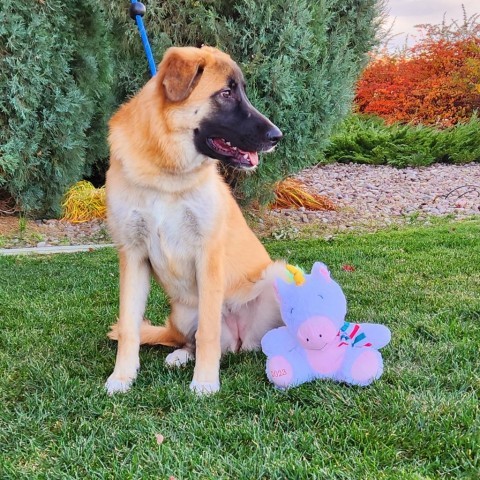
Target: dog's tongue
<point>252,157</point>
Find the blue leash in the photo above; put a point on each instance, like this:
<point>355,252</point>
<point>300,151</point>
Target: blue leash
<point>137,11</point>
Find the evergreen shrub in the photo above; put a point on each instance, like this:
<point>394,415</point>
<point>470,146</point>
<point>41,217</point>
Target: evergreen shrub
<point>55,97</point>
<point>368,139</point>
<point>65,66</point>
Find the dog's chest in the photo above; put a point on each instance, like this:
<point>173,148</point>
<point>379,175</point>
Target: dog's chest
<point>172,231</point>
<point>177,231</point>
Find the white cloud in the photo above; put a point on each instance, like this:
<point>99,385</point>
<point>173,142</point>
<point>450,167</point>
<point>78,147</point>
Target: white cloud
<point>405,14</point>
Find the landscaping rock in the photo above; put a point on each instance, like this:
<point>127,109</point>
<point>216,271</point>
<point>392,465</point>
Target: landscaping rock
<point>367,197</point>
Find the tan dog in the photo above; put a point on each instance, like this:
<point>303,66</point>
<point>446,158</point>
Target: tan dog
<point>173,217</point>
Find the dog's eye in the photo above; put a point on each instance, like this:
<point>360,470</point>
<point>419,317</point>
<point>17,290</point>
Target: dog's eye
<point>227,93</point>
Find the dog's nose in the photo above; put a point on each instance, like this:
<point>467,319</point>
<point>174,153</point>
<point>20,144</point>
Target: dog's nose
<point>274,135</point>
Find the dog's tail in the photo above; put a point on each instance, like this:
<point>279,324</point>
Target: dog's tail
<point>154,335</point>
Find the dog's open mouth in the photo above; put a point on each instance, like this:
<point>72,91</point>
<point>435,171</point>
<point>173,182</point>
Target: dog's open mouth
<point>236,155</point>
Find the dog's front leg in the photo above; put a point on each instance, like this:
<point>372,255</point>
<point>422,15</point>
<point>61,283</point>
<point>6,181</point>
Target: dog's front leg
<point>210,279</point>
<point>134,288</point>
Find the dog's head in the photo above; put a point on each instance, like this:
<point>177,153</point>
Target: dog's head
<point>203,92</point>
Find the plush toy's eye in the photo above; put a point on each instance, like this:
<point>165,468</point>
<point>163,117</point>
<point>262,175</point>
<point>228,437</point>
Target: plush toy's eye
<point>321,296</point>
<point>320,335</point>
<point>308,340</point>
<point>291,310</point>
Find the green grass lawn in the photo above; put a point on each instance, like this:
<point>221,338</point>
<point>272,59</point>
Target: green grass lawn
<point>419,421</point>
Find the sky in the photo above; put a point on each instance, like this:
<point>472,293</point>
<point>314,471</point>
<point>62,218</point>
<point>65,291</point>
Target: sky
<point>404,14</point>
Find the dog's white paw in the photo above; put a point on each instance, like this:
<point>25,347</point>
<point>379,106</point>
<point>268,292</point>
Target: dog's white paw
<point>204,388</point>
<point>178,358</point>
<point>118,385</point>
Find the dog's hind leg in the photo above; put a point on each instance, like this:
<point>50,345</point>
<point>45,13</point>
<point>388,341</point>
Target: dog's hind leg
<point>154,334</point>
<point>169,335</point>
<point>134,288</point>
<point>182,319</point>
<point>180,357</point>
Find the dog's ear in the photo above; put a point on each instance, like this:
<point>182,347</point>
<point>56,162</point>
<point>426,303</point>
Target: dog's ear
<point>180,71</point>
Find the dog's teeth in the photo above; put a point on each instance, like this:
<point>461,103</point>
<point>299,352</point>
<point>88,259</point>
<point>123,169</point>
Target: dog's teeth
<point>245,156</point>
<point>229,144</point>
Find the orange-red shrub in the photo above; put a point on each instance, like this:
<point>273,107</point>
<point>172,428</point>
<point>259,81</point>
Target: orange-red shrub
<point>436,82</point>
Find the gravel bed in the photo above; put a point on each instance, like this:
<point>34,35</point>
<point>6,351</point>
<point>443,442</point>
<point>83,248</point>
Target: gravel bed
<point>17,233</point>
<point>382,195</point>
<point>367,197</point>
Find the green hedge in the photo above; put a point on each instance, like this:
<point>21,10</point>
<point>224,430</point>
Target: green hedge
<point>368,139</point>
<point>55,98</point>
<point>65,66</point>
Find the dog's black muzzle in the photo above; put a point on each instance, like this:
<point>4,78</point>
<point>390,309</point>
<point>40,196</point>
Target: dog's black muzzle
<point>235,132</point>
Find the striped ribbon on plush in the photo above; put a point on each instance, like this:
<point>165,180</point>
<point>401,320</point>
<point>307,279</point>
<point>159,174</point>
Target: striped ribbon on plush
<point>349,335</point>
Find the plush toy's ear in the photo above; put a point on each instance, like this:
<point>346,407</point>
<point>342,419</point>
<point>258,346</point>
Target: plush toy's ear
<point>180,71</point>
<point>320,270</point>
